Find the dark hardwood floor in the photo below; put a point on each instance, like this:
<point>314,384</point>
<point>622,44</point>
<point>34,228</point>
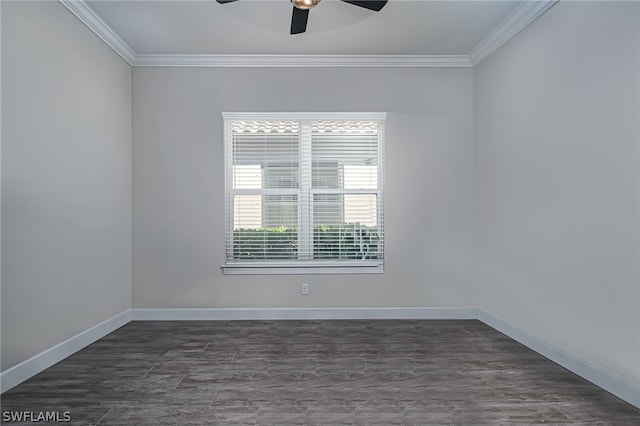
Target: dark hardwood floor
<point>419,372</point>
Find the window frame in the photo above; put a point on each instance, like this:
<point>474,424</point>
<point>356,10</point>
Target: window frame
<point>304,214</point>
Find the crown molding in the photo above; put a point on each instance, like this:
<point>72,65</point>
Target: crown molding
<point>88,17</point>
<point>284,61</point>
<point>516,21</point>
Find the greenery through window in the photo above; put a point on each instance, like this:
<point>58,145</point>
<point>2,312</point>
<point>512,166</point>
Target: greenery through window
<point>304,191</point>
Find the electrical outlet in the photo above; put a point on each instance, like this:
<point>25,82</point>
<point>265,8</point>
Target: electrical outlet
<point>304,289</point>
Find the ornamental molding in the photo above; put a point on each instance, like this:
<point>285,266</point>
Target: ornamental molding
<point>518,19</point>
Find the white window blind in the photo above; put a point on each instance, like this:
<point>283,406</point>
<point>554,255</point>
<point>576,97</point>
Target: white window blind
<point>304,193</point>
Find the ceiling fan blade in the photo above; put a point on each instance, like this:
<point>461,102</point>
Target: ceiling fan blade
<point>371,5</point>
<point>225,1</point>
<point>299,20</point>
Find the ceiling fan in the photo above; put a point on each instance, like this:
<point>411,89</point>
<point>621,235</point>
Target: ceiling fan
<point>301,10</point>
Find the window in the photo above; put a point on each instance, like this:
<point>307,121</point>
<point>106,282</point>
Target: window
<point>304,192</point>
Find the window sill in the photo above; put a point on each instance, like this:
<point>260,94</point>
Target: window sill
<point>297,269</point>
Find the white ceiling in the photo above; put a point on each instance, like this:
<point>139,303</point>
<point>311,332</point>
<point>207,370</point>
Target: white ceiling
<point>261,27</point>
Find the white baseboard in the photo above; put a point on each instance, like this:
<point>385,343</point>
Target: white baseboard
<point>40,362</point>
<point>301,313</point>
<point>611,382</point>
<point>618,386</point>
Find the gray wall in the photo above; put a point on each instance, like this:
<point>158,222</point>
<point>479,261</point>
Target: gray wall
<point>557,119</point>
<point>66,179</point>
<point>178,187</point>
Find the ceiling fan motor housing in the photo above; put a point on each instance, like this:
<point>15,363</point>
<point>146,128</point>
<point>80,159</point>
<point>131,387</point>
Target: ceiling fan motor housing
<point>305,4</point>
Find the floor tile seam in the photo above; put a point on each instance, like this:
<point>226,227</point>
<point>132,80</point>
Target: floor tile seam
<point>402,416</point>
<point>104,415</point>
<point>180,381</point>
<point>155,364</point>
<point>215,395</point>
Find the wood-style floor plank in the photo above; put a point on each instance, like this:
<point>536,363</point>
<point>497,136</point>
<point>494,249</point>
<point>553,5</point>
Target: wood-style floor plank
<point>324,372</point>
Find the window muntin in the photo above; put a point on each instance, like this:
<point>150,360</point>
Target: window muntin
<point>304,193</point>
